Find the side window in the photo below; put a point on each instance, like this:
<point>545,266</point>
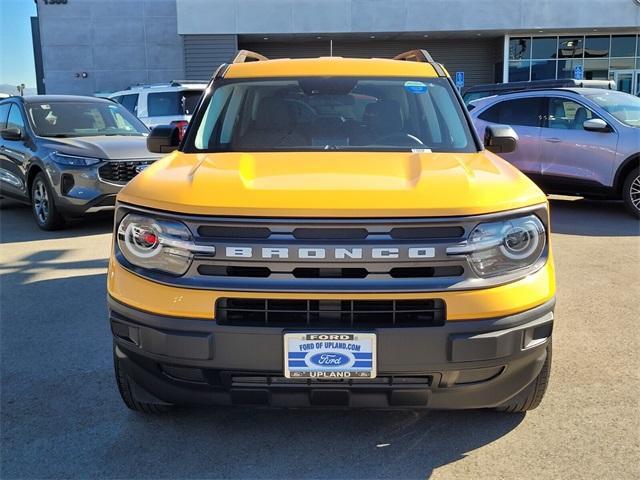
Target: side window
<point>566,114</point>
<point>130,102</point>
<point>4,113</point>
<point>524,112</point>
<point>491,114</point>
<point>15,118</point>
<point>163,104</point>
<point>117,99</point>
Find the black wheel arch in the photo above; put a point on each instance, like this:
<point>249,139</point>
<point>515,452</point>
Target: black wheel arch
<point>35,168</point>
<point>629,164</point>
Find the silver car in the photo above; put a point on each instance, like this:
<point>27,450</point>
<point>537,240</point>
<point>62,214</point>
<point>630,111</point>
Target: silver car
<point>582,141</point>
<point>68,155</point>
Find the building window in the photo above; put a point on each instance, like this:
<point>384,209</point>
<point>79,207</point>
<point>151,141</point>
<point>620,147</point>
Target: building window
<point>520,48</point>
<point>597,47</point>
<point>623,46</point>
<point>567,68</point>
<point>622,63</point>
<point>596,69</point>
<point>571,47</point>
<point>600,56</point>
<point>543,69</point>
<point>544,47</point>
<point>519,71</point>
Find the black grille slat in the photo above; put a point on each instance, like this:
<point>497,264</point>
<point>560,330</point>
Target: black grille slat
<point>340,273</point>
<point>330,313</point>
<point>122,171</point>
<point>225,232</point>
<point>424,233</point>
<point>330,233</point>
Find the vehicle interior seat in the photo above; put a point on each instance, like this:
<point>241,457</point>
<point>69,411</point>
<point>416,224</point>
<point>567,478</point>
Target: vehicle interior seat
<point>382,118</point>
<point>274,126</point>
<point>580,118</point>
<point>558,120</point>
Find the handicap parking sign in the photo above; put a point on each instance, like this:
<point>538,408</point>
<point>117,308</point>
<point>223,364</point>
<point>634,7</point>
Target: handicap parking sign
<point>578,72</point>
<point>459,79</point>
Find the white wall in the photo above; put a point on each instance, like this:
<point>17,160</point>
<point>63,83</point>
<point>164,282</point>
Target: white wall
<point>329,16</point>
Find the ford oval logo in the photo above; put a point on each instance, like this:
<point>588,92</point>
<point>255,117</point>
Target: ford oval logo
<point>329,359</point>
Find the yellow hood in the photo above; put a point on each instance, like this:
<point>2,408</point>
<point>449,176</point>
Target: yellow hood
<point>332,184</point>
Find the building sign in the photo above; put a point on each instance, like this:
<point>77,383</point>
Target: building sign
<point>578,72</point>
<point>459,79</point>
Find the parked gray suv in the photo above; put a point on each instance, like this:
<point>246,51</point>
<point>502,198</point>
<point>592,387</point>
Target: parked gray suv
<point>68,155</point>
<point>583,141</point>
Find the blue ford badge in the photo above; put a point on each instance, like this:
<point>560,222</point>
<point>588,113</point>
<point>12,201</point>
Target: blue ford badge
<point>329,359</point>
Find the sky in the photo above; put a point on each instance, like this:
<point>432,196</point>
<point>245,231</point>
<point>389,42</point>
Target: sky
<point>16,47</point>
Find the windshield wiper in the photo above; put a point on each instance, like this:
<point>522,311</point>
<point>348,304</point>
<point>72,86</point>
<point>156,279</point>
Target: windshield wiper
<point>365,148</point>
<point>59,135</point>
<point>120,134</point>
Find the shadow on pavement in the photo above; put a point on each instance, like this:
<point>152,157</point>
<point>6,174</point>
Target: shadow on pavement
<point>61,415</point>
<point>17,225</point>
<point>592,218</point>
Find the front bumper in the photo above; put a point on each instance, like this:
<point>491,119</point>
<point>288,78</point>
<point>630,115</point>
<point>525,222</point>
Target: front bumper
<point>79,190</point>
<point>463,364</point>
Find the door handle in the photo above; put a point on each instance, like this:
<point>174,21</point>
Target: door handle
<point>552,140</point>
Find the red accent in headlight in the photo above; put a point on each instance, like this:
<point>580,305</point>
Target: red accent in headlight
<point>148,238</point>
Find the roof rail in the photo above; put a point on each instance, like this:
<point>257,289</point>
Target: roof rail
<point>421,56</point>
<point>177,83</point>
<point>244,56</point>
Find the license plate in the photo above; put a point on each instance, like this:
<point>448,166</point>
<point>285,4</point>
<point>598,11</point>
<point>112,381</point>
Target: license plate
<point>329,355</point>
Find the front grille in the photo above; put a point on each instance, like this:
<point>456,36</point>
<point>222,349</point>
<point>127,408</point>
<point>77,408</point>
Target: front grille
<point>453,232</point>
<point>356,314</point>
<point>121,172</point>
<point>340,256</point>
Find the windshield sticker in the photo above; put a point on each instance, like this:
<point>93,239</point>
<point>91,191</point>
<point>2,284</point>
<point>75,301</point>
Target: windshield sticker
<point>420,150</point>
<point>415,87</point>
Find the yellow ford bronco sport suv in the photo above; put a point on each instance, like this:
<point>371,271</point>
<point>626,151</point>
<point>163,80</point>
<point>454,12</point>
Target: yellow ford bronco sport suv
<point>332,232</point>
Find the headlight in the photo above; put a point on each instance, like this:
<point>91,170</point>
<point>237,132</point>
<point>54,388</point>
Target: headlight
<point>73,160</point>
<point>158,244</point>
<point>498,248</point>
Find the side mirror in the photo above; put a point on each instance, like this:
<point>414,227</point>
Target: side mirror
<point>500,138</point>
<point>596,125</point>
<point>163,139</point>
<point>12,133</point>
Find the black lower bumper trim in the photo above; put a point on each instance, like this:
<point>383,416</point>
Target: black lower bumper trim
<point>464,364</point>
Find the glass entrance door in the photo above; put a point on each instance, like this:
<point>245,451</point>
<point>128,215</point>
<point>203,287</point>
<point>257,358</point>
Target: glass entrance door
<point>626,80</point>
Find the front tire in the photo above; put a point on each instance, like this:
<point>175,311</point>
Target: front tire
<point>127,395</point>
<point>631,192</point>
<point>530,397</point>
<point>43,206</point>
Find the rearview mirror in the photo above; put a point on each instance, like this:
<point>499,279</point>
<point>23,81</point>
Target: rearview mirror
<point>500,138</point>
<point>12,133</point>
<point>163,139</point>
<point>596,125</point>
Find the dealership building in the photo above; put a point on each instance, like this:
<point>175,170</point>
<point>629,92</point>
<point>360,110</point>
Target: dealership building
<point>92,46</point>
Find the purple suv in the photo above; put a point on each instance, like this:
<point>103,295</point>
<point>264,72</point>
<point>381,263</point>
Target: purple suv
<point>583,141</point>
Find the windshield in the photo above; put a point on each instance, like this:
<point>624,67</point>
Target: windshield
<point>83,119</point>
<point>623,106</point>
<point>470,97</point>
<point>333,113</point>
<point>163,104</point>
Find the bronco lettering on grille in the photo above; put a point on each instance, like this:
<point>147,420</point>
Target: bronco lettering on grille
<point>339,253</point>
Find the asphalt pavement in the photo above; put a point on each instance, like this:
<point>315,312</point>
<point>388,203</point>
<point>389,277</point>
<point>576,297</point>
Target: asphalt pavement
<point>61,416</point>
